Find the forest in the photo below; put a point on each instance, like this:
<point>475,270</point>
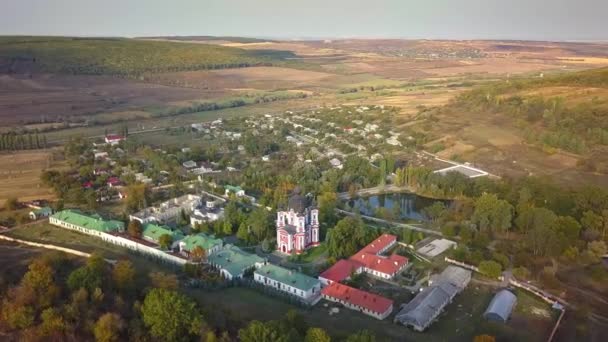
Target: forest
<point>122,57</point>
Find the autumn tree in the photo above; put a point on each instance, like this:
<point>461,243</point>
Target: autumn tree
<point>108,328</point>
<point>135,229</point>
<point>199,254</point>
<point>123,275</point>
<point>165,241</point>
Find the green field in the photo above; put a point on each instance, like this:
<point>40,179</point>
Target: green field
<point>46,233</point>
<point>125,57</point>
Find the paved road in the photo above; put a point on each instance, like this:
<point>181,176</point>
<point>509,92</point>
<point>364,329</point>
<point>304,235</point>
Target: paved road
<point>392,223</point>
<point>376,190</point>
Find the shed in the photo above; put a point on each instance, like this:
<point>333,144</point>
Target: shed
<point>500,307</point>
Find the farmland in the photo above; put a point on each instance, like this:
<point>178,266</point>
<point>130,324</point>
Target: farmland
<point>20,174</point>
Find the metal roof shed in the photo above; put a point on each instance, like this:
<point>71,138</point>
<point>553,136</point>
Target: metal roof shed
<point>501,306</point>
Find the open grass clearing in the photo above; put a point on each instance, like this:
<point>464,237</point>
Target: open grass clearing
<point>48,234</point>
<point>20,174</point>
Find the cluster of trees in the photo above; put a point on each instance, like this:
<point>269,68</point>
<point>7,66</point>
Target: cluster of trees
<point>348,237</point>
<point>548,121</point>
<point>293,327</point>
<point>126,57</point>
<point>545,221</point>
<point>423,181</point>
<point>63,299</point>
<point>13,141</point>
<point>231,102</point>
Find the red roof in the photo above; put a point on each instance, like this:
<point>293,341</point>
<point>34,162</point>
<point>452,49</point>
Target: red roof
<point>370,256</point>
<point>340,270</point>
<point>378,244</point>
<point>113,180</point>
<point>87,185</point>
<point>111,137</point>
<point>369,301</point>
<point>389,265</point>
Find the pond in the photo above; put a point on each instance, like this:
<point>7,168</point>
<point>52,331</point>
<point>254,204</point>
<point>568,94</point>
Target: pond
<point>410,205</point>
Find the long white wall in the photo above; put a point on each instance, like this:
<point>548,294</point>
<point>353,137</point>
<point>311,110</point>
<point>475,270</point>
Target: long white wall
<point>121,241</point>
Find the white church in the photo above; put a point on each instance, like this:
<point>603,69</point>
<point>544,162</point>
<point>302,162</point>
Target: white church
<point>298,226</point>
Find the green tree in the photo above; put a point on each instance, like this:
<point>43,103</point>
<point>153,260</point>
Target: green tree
<point>257,331</point>
<point>362,336</point>
<point>84,277</point>
<point>490,268</point>
<point>108,328</point>
<point>435,211</point>
<point>346,238</point>
<point>171,316</point>
<point>259,222</point>
<point>492,214</point>
<point>316,335</point>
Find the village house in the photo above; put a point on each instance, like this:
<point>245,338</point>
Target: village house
<point>299,285</point>
<point>236,190</point>
<point>40,213</point>
<point>114,139</point>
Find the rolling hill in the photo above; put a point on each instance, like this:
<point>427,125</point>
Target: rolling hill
<point>121,57</point>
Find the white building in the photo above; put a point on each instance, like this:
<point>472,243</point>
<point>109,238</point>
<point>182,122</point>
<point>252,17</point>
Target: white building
<point>299,285</point>
<point>169,210</point>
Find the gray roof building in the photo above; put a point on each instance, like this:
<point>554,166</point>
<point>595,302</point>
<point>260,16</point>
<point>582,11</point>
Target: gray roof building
<point>501,306</point>
<point>421,311</point>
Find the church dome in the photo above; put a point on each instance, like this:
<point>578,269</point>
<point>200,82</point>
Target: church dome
<point>297,202</point>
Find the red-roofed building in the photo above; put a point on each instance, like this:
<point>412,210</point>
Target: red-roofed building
<point>355,299</point>
<point>340,271</point>
<point>369,260</point>
<point>114,139</point>
<point>87,185</point>
<point>113,181</point>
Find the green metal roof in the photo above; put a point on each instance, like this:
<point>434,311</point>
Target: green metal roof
<point>233,188</point>
<point>43,211</point>
<point>204,241</point>
<point>94,222</point>
<point>234,260</point>
<point>292,278</point>
<point>154,232</point>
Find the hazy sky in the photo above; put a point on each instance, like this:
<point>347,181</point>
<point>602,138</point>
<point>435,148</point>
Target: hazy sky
<point>451,19</point>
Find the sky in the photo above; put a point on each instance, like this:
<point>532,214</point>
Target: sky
<point>558,20</point>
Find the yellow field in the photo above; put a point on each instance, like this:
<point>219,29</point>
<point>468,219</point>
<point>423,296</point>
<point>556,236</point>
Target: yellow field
<point>20,175</point>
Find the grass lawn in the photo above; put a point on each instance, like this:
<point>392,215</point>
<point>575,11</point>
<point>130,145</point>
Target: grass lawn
<point>462,320</point>
<point>46,233</point>
<point>313,254</point>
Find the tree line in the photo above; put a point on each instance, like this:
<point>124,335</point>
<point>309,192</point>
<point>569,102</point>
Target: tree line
<point>14,141</point>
